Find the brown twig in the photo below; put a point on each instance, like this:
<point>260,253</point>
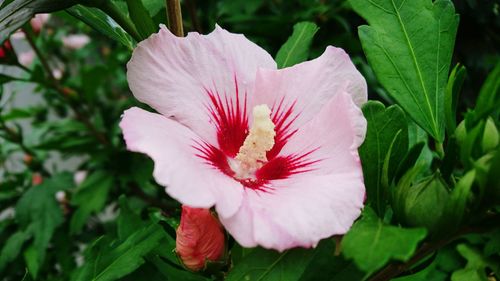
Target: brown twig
<point>175,17</point>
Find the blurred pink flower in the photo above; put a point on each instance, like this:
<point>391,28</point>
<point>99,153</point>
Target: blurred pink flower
<point>57,73</point>
<point>80,176</point>
<point>75,41</point>
<point>26,58</point>
<point>39,21</point>
<point>275,151</point>
<point>200,238</point>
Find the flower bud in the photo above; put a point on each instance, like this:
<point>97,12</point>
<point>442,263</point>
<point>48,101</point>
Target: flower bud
<point>490,136</point>
<point>461,133</point>
<point>423,202</point>
<point>200,238</point>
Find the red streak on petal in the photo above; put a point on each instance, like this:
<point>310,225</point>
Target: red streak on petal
<point>214,157</point>
<point>283,167</point>
<point>231,120</point>
<point>283,119</point>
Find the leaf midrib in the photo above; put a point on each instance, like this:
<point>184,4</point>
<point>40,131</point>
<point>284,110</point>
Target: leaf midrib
<point>107,268</point>
<point>272,265</point>
<point>417,66</point>
<point>299,38</point>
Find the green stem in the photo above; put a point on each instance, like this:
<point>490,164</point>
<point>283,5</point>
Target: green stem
<point>440,149</point>
<point>112,10</point>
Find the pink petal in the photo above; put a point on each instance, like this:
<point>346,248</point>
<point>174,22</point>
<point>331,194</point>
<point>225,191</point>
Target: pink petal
<point>308,86</point>
<point>299,213</point>
<point>173,75</point>
<point>185,176</point>
<point>318,203</point>
<point>306,210</point>
<point>333,136</point>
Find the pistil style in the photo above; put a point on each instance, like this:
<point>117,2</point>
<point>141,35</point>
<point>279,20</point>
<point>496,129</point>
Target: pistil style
<point>260,139</point>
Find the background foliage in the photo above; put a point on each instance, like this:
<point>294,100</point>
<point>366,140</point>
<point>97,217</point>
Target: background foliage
<point>430,159</point>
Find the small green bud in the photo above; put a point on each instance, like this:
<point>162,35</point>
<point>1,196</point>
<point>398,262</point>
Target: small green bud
<point>424,203</point>
<point>490,136</point>
<point>461,133</point>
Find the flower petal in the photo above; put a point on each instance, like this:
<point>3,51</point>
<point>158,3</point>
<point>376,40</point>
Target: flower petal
<point>319,202</point>
<point>184,175</point>
<point>308,86</point>
<point>299,213</point>
<point>332,137</point>
<point>174,75</point>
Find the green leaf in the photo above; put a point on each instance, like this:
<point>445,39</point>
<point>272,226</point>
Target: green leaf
<point>296,48</point>
<point>382,142</point>
<point>39,212</point>
<point>327,266</point>
<point>101,22</point>
<point>154,6</point>
<point>128,221</point>
<point>470,147</point>
<point>372,244</point>
<point>455,81</point>
<point>409,160</point>
<point>12,247</point>
<point>90,198</point>
<point>475,270</point>
<point>18,12</point>
<point>268,265</point>
<point>32,261</point>
<point>409,45</point>
<point>174,273</point>
<point>492,192</point>
<point>455,206</point>
<point>141,18</point>
<point>110,261</point>
<point>492,247</point>
<point>489,96</point>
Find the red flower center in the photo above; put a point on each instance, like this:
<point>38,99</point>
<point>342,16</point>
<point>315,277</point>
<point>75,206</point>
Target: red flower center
<point>231,122</point>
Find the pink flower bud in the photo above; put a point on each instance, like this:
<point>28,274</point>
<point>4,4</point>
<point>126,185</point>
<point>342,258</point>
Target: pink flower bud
<point>200,238</point>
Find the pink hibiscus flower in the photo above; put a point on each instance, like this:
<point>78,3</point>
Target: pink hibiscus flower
<point>275,151</point>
